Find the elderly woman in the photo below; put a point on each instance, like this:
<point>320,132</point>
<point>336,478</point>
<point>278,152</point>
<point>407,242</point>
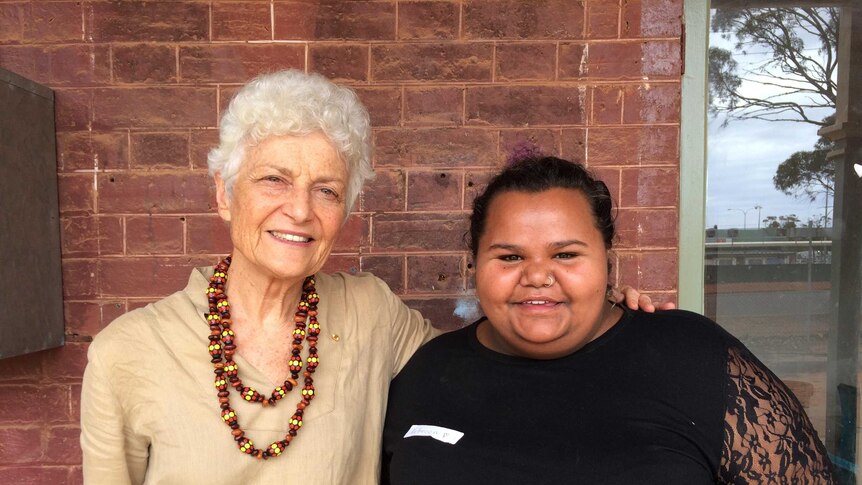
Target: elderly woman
<point>556,385</point>
<point>262,355</point>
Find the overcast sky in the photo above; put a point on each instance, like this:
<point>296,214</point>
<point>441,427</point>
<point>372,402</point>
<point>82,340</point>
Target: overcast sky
<point>743,157</point>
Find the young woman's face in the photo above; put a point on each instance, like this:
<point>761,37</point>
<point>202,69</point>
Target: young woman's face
<point>542,274</point>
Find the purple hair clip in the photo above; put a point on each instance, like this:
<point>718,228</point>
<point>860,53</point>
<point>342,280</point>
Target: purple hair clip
<point>522,151</point>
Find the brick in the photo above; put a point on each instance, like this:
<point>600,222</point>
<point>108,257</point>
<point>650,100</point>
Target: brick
<point>432,62</point>
<point>76,475</point>
<point>201,142</point>
<point>647,228</point>
<point>573,145</point>
<point>439,147</point>
<point>649,271</point>
<point>634,60</point>
<point>339,62</point>
<point>442,311</point>
<point>603,20</point>
<point>146,277</point>
<point>427,231</point>
<point>439,190</point>
<point>92,150</point>
<point>435,274</point>
<point>159,193</point>
<point>80,279</point>
<point>547,140</point>
<point>572,63</point>
<point>652,18</point>
<point>11,29</point>
<point>76,193</point>
<point>427,20</point>
<point>53,22</point>
<point>159,150</point>
<point>35,475</point>
<point>389,268</point>
<point>154,235</point>
<point>72,109</point>
<point>241,21</point>
<point>383,105</point>
<point>526,62</point>
<point>607,105</point>
<point>59,65</point>
<point>315,20</point>
<point>28,61</point>
<point>514,19</point>
<point>433,106</point>
<point>237,62</point>
<point>22,368</point>
<point>79,236</point>
<point>207,234</point>
<point>611,177</point>
<point>476,183</point>
<point>134,304</point>
<point>112,235</point>
<point>225,95</point>
<point>111,311</point>
<point>634,145</point>
<point>31,404</point>
<point>79,64</point>
<point>20,445</point>
<point>82,318</point>
<point>144,63</point>
<point>650,187</point>
<point>652,103</point>
<point>67,362</point>
<point>139,21</point>
<point>354,234</point>
<point>75,402</point>
<point>385,192</point>
<point>341,263</point>
<point>148,107</point>
<point>63,445</point>
<point>526,105</point>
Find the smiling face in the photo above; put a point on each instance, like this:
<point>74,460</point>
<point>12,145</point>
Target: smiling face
<point>531,239</point>
<point>287,205</point>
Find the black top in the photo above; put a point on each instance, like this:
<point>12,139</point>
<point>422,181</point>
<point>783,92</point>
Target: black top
<point>666,398</point>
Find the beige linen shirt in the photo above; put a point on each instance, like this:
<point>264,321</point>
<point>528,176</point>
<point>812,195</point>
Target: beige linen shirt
<point>150,414</point>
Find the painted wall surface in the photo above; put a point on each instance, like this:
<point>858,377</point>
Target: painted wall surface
<point>452,86</point>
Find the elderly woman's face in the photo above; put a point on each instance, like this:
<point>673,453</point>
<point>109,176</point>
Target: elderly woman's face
<point>542,274</point>
<point>287,205</point>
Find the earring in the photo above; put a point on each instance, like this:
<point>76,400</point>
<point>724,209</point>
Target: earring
<point>550,282</point>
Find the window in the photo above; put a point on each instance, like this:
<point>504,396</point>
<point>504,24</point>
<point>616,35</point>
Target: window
<point>772,151</point>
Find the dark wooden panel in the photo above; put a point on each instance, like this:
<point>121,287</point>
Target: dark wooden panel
<point>31,292</point>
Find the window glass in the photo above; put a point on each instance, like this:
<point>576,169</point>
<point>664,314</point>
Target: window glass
<point>782,256</point>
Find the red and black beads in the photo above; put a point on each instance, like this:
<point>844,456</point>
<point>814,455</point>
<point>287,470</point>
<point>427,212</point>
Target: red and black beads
<point>221,348</point>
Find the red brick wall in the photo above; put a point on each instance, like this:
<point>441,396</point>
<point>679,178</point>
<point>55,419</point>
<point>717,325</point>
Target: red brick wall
<point>451,85</point>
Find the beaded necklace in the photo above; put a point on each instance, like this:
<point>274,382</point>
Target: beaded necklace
<point>221,346</point>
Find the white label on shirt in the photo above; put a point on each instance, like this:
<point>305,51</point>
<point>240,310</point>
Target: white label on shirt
<point>445,435</point>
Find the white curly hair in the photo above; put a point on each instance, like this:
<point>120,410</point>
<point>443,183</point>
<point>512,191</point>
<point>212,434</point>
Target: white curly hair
<point>291,102</point>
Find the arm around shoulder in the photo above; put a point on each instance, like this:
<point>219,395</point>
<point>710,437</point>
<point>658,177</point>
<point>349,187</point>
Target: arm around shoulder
<point>408,328</point>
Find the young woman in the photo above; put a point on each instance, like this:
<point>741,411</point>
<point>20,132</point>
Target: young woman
<point>557,385</point>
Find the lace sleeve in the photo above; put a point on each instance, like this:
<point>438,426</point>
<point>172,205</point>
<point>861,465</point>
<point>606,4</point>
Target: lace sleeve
<point>768,438</point>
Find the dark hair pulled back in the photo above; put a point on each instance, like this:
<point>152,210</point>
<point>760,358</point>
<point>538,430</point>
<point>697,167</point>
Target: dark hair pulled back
<point>538,174</point>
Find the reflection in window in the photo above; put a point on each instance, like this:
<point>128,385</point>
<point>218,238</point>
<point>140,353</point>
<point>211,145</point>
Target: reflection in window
<point>783,247</point>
